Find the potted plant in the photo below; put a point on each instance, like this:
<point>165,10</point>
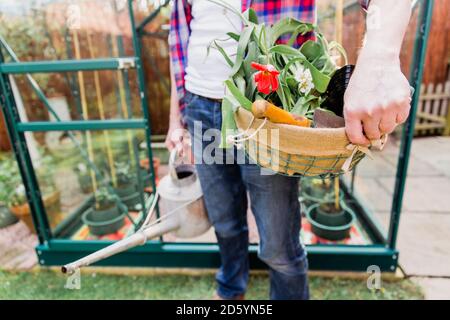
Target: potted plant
<point>126,186</point>
<point>6,217</point>
<point>84,178</point>
<point>106,215</point>
<point>51,194</point>
<point>331,219</point>
<point>19,206</point>
<point>15,194</point>
<point>316,190</point>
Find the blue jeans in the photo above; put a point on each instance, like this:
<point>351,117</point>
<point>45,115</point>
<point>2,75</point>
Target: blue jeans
<point>274,203</point>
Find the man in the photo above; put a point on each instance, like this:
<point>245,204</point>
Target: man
<point>376,101</point>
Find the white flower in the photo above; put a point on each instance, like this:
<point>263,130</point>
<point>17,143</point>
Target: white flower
<point>304,78</point>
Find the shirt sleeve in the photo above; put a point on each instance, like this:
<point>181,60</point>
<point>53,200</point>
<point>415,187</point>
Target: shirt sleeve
<point>178,41</point>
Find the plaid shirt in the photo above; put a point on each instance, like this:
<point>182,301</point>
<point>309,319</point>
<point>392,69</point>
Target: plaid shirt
<point>268,11</point>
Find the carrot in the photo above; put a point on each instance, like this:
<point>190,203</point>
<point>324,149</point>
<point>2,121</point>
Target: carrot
<point>265,109</point>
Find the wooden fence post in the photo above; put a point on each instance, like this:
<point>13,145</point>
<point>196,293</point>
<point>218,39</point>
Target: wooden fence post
<point>433,113</point>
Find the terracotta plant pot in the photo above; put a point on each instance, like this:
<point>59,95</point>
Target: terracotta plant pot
<point>52,204</point>
<point>156,163</point>
<point>6,217</point>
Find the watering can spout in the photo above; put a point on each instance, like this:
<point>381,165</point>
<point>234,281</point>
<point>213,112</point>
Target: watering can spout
<point>182,208</point>
<point>138,238</point>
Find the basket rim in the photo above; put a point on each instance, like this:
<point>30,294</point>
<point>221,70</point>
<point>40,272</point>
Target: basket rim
<point>296,140</point>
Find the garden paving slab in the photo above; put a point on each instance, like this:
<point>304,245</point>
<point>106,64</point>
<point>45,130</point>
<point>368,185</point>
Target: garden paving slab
<point>434,288</point>
<point>423,194</point>
<point>423,244</point>
<point>17,245</point>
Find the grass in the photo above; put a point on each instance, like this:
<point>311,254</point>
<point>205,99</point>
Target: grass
<point>48,284</point>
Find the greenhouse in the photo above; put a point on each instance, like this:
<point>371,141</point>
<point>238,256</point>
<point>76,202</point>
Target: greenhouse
<point>85,105</point>
<point>98,86</point>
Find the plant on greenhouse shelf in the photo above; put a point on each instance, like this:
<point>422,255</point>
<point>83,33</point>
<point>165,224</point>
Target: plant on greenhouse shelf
<point>17,198</point>
<point>316,190</point>
<point>104,199</point>
<point>107,214</point>
<point>6,177</point>
<point>9,177</point>
<point>83,177</point>
<point>123,174</point>
<point>126,186</point>
<point>331,218</point>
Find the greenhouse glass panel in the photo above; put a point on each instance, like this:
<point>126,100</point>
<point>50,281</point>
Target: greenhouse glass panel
<point>82,100</point>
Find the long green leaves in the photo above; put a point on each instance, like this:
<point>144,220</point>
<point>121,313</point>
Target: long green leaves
<point>242,46</point>
<point>288,26</point>
<point>258,43</point>
<point>228,123</point>
<point>240,97</point>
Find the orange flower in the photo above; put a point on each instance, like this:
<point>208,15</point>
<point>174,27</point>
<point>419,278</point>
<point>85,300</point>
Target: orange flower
<point>267,77</point>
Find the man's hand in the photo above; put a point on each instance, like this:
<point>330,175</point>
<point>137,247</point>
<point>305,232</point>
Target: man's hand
<point>175,136</point>
<point>377,98</point>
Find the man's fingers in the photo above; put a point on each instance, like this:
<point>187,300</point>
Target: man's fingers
<point>388,124</point>
<point>388,120</point>
<point>403,111</point>
<point>354,130</point>
<point>372,128</point>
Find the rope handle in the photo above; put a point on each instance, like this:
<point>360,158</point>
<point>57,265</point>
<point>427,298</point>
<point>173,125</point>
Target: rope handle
<point>237,139</point>
<point>375,144</point>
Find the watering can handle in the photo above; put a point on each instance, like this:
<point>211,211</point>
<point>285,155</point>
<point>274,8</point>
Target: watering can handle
<point>172,159</point>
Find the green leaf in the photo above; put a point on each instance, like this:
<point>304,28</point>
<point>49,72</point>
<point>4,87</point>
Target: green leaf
<point>282,96</point>
<point>240,83</point>
<point>234,36</point>
<point>252,56</point>
<point>242,45</point>
<point>311,50</point>
<point>320,80</point>
<point>304,105</point>
<point>224,54</point>
<point>228,122</point>
<point>286,50</point>
<point>244,102</point>
<point>251,15</point>
<point>289,25</point>
<point>337,46</point>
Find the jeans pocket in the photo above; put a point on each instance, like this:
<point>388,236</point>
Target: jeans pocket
<point>189,99</point>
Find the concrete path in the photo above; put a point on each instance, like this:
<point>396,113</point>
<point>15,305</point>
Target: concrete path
<point>17,247</point>
<point>424,236</point>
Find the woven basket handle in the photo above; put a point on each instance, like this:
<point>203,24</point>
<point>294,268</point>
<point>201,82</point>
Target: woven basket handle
<point>380,143</point>
<point>375,144</point>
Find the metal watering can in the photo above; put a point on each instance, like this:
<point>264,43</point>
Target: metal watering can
<point>182,196</point>
<point>182,212</point>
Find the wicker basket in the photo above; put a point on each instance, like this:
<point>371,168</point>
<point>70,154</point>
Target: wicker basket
<point>297,151</point>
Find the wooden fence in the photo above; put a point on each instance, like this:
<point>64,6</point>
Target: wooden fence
<point>433,114</point>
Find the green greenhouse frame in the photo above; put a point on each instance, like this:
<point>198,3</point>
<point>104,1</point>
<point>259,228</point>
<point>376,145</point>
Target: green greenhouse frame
<point>54,251</point>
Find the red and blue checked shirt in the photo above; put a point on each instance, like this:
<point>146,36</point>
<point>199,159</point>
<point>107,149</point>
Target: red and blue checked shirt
<point>268,11</point>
